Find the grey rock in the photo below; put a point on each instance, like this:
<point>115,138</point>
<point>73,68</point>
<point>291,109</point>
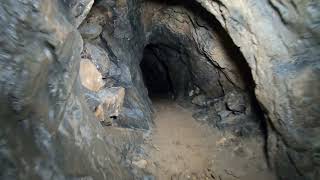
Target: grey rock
<point>200,100</point>
<point>219,104</point>
<point>286,72</point>
<point>224,114</point>
<point>207,115</point>
<point>149,178</point>
<point>240,125</point>
<point>276,42</point>
<point>201,116</point>
<point>90,31</point>
<point>48,131</point>
<point>98,56</point>
<point>79,10</point>
<point>236,101</point>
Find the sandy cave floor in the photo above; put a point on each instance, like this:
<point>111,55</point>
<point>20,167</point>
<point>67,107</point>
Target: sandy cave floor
<point>180,147</point>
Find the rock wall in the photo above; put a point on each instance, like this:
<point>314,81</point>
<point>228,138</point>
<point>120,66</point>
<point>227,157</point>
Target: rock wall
<point>121,40</point>
<point>280,41</point>
<point>47,130</point>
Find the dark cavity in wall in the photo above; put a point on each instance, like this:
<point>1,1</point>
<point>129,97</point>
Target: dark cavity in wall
<point>165,71</point>
<point>155,74</point>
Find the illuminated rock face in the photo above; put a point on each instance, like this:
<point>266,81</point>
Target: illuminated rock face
<point>90,77</point>
<point>54,86</point>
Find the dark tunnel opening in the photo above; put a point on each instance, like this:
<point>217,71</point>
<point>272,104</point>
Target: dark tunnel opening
<point>174,66</point>
<point>156,75</point>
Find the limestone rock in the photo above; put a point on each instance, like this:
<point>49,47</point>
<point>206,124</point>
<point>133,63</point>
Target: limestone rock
<point>90,77</point>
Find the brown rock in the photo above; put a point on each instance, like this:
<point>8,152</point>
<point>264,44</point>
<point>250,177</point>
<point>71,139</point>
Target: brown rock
<point>90,77</point>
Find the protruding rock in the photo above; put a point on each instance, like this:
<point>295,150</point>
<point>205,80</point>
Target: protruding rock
<point>98,56</point>
<point>90,30</point>
<point>90,77</point>
<point>79,10</point>
<point>219,104</point>
<point>200,100</point>
<point>111,103</point>
<point>236,101</point>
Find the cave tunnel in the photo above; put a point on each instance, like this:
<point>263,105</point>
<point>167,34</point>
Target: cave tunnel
<point>155,74</point>
<point>164,72</point>
<point>74,74</point>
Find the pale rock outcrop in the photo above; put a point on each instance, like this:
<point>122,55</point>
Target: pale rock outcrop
<point>90,77</point>
<point>111,103</point>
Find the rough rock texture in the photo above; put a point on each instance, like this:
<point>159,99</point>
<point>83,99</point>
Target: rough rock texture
<point>90,31</point>
<point>233,113</point>
<point>267,48</point>
<point>124,46</point>
<point>78,10</point>
<point>280,42</point>
<point>111,103</point>
<point>47,131</point>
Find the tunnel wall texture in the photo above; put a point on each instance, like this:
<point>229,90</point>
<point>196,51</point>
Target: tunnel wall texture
<point>280,41</point>
<point>48,132</point>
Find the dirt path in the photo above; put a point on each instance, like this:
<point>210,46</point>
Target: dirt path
<point>182,148</point>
